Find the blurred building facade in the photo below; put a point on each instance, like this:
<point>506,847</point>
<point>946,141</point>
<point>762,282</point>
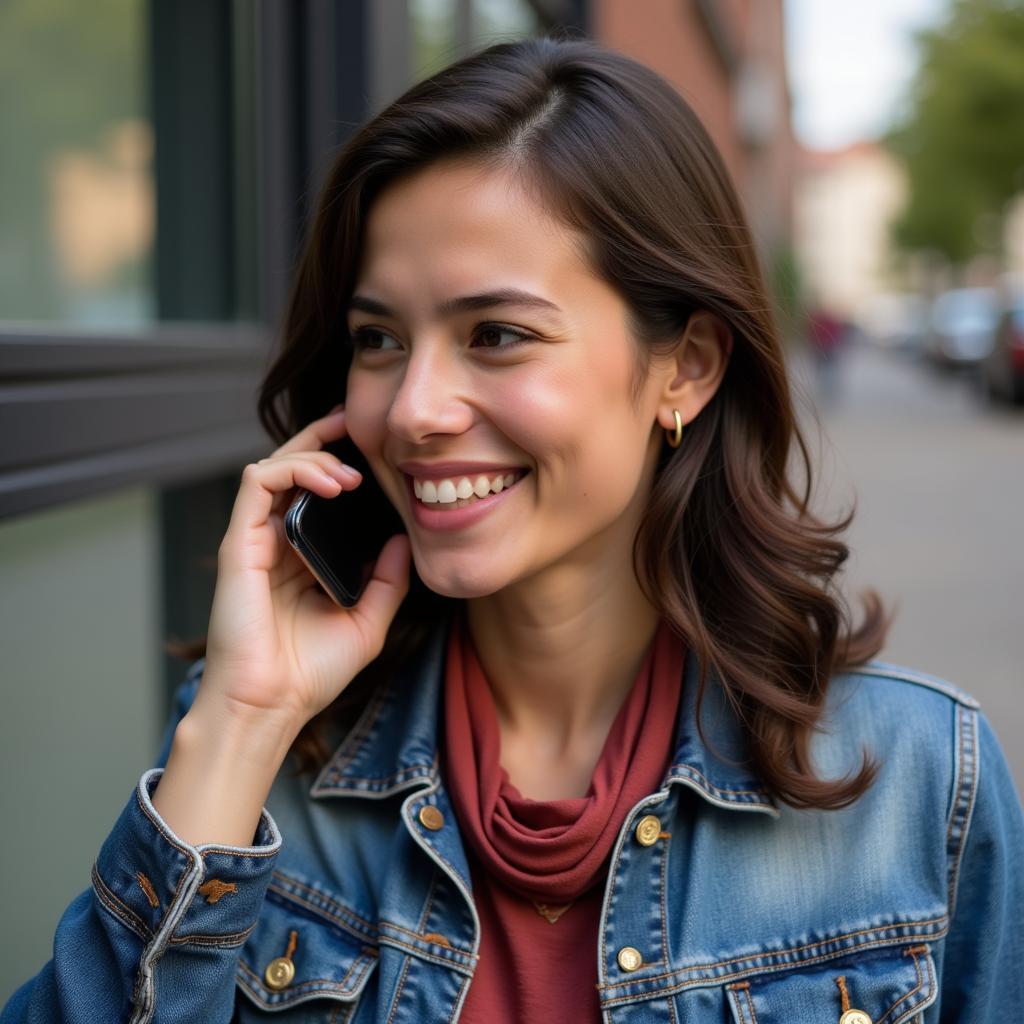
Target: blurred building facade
<point>727,59</point>
<point>844,201</point>
<point>144,265</point>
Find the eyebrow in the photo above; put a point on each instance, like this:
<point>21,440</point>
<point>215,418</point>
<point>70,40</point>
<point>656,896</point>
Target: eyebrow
<point>463,303</point>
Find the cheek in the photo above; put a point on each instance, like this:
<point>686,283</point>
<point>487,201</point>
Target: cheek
<point>576,420</point>
<point>365,412</point>
<point>544,413</point>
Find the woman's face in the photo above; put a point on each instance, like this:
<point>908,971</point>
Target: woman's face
<point>541,388</point>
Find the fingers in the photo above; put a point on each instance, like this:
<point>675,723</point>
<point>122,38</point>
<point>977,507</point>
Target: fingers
<point>327,462</point>
<point>379,602</point>
<point>263,481</point>
<point>316,434</point>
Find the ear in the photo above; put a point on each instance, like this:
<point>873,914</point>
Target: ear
<point>695,368</point>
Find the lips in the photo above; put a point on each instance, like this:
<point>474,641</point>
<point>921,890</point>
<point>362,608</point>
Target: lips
<point>451,517</point>
<point>441,470</point>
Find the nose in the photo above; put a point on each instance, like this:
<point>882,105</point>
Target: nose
<point>427,400</point>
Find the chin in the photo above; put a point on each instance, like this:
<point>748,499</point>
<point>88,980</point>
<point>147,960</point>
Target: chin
<point>451,581</point>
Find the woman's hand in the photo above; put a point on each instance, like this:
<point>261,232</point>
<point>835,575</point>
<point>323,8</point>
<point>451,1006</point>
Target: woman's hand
<point>279,650</point>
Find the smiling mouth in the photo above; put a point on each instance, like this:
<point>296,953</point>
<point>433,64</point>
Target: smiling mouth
<point>447,506</point>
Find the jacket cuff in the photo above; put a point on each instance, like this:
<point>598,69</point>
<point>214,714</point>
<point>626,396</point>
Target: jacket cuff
<point>162,887</point>
<point>177,896</point>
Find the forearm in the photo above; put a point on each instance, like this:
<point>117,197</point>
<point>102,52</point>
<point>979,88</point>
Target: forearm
<point>218,776</point>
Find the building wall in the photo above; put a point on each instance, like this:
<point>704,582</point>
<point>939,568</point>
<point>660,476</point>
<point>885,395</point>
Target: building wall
<point>82,702</point>
<point>845,201</point>
<point>727,60</point>
<point>669,37</point>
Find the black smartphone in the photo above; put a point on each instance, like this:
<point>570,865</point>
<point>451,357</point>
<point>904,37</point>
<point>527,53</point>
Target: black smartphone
<point>340,538</point>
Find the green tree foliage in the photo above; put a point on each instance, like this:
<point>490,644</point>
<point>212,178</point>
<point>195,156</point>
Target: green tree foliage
<point>962,138</point>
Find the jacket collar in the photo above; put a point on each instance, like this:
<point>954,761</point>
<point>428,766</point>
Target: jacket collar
<point>393,745</point>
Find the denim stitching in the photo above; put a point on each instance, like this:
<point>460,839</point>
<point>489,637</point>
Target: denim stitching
<point>362,963</point>
<point>363,960</point>
<point>664,910</point>
<point>458,999</point>
<point>434,958</point>
<point>357,737</point>
<point>913,951</point>
<point>208,849</point>
<point>464,885</point>
<point>380,780</point>
<point>909,951</point>
<point>701,777</point>
<point>612,878</point>
<point>750,1004</point>
<point>145,988</point>
<point>335,1019</point>
<point>122,911</point>
<point>958,780</point>
<point>254,851</point>
<point>325,915</point>
<point>357,926</point>
<point>679,986</point>
<point>390,925</point>
<point>437,853</point>
<point>968,720</point>
<point>460,996</point>
<point>398,991</point>
<point>796,949</point>
<point>734,998</point>
<point>349,1002</point>
<point>425,915</point>
<point>228,940</point>
<point>672,1016</point>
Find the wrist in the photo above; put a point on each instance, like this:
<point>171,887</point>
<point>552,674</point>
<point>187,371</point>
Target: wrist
<point>249,732</point>
<point>218,776</point>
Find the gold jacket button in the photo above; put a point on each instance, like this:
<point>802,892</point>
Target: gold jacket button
<point>279,973</point>
<point>648,830</point>
<point>430,817</point>
<point>855,1017</point>
<point>630,958</point>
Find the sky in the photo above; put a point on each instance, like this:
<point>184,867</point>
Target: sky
<point>850,64</point>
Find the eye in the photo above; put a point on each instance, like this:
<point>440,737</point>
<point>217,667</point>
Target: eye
<point>365,338</point>
<point>362,338</point>
<point>496,330</point>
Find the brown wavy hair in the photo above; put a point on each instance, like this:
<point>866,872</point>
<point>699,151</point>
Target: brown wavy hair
<point>727,548</point>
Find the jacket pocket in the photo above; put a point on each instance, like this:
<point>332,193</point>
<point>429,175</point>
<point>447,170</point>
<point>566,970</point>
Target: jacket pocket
<point>887,986</point>
<point>298,965</point>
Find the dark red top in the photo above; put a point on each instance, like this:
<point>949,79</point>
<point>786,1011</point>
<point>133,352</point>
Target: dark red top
<point>538,867</point>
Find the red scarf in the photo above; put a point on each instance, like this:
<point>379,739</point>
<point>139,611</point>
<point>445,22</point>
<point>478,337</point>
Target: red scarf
<point>538,866</point>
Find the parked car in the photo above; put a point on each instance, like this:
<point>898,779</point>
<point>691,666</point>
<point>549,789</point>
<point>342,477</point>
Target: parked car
<point>962,326</point>
<point>1003,368</point>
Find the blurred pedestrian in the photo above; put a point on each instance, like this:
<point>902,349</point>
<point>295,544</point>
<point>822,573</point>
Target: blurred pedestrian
<point>827,336</point>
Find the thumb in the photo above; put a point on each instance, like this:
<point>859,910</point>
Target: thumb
<point>380,600</point>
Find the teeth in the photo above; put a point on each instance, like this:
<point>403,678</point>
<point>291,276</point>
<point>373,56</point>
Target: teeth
<point>462,490</point>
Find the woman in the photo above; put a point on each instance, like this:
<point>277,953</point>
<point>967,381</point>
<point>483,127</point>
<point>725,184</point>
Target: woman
<point>612,752</point>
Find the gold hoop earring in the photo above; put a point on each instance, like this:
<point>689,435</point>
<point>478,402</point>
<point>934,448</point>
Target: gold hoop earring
<point>675,439</point>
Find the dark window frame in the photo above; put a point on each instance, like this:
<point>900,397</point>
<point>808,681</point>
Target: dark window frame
<point>238,160</point>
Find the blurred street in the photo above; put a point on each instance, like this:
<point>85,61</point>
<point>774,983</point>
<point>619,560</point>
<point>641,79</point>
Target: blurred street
<point>938,476</point>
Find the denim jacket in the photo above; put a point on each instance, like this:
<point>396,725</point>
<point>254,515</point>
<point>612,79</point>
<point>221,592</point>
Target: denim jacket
<point>354,903</point>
